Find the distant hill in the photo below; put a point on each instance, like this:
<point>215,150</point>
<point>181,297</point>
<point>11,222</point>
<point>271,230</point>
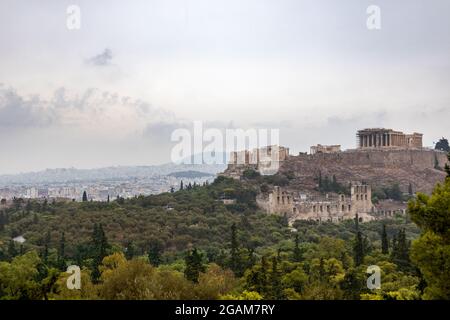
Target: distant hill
<point>190,174</point>
<point>62,175</point>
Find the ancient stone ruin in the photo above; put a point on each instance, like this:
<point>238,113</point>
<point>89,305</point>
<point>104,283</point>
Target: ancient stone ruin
<point>383,157</point>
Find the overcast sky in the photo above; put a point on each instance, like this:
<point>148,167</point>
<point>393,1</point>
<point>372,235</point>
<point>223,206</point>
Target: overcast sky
<point>112,92</point>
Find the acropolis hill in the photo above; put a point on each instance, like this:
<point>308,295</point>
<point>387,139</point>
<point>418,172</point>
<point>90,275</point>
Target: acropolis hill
<point>383,157</point>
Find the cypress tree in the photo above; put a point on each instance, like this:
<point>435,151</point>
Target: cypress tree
<point>275,281</point>
<point>358,249</point>
<point>384,241</point>
<point>357,222</point>
<point>181,185</point>
<point>400,252</point>
<point>85,199</point>
<point>46,244</point>
<point>297,252</point>
<point>100,246</point>
<point>263,286</point>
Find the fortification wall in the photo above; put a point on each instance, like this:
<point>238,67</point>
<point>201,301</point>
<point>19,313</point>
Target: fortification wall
<point>376,167</point>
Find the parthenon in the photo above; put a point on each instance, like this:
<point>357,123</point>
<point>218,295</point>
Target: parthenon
<point>387,138</point>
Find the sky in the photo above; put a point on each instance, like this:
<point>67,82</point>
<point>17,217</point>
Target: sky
<point>112,92</point>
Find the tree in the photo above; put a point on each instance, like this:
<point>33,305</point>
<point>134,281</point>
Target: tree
<point>431,252</point>
<point>47,240</point>
<point>85,199</point>
<point>358,249</point>
<point>400,249</point>
<point>395,192</point>
<point>442,145</point>
<point>2,221</point>
<point>107,200</point>
<point>12,251</point>
<point>62,253</point>
<point>154,252</point>
<point>275,281</point>
<point>352,284</point>
<point>384,241</point>
<point>194,265</point>
<point>129,250</point>
<point>297,254</point>
<point>235,263</point>
<point>100,246</point>
<point>23,279</point>
<point>28,206</point>
<point>181,185</point>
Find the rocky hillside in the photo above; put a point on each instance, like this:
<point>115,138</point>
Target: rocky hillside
<point>422,168</point>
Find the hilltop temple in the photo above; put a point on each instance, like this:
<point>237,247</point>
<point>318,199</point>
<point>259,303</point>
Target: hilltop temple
<point>388,138</point>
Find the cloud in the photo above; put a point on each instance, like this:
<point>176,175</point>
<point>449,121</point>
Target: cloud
<point>92,109</point>
<point>19,112</point>
<point>102,59</point>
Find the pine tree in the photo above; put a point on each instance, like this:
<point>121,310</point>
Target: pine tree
<point>194,266</point>
<point>85,199</point>
<point>442,145</point>
<point>384,241</point>
<point>358,249</point>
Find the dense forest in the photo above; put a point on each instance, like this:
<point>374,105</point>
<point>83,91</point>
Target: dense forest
<point>189,244</point>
